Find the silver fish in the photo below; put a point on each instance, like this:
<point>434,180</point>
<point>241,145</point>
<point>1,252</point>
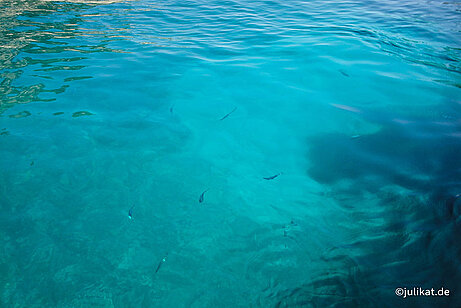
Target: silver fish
<point>161,262</point>
<point>200,199</point>
<point>273,177</point>
<point>228,114</point>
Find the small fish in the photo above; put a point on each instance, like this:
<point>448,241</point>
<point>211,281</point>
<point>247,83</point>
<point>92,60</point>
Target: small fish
<point>200,199</point>
<point>235,108</point>
<point>355,136</point>
<point>171,109</point>
<point>130,213</point>
<point>32,163</point>
<point>288,227</point>
<point>161,262</point>
<point>273,177</point>
<point>344,73</point>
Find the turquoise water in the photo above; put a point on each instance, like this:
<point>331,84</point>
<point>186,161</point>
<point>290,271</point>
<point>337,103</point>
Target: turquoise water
<point>116,116</point>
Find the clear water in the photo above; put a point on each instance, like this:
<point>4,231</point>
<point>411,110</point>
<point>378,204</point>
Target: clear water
<point>106,105</point>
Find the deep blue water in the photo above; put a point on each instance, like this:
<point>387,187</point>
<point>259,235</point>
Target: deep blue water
<point>116,116</point>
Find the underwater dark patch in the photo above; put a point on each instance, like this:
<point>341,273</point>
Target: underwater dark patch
<point>425,161</point>
<point>417,242</point>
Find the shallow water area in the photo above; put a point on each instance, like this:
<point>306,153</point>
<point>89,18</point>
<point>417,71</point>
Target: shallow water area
<point>325,138</point>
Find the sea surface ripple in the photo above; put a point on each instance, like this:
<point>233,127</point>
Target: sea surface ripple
<point>229,153</point>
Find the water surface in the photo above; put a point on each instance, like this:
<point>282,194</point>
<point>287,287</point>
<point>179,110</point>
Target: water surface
<point>108,106</point>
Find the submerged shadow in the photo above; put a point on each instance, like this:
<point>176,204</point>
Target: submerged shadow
<point>413,170</point>
<point>418,156</point>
